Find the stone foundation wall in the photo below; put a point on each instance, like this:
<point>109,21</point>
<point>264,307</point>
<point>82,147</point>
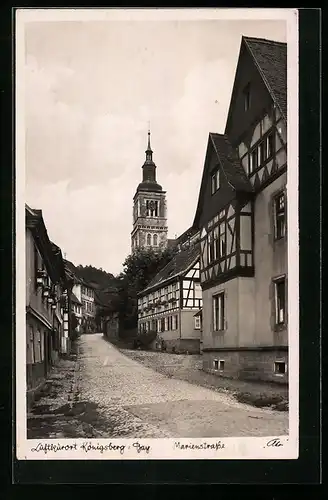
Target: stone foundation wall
<point>180,346</point>
<point>247,364</point>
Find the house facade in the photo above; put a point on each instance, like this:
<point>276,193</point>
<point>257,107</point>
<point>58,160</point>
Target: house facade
<point>88,307</point>
<point>83,300</point>
<point>77,310</point>
<point>169,303</point>
<point>107,316</point>
<point>241,216</point>
<point>47,307</point>
<point>149,209</point>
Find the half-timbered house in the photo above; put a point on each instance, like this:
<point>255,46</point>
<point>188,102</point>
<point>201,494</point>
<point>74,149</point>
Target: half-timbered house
<point>169,303</point>
<point>241,216</point>
<point>47,331</point>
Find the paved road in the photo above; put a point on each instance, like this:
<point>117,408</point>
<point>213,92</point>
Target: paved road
<point>135,401</point>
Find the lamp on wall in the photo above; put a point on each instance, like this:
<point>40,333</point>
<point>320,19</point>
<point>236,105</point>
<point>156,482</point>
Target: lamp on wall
<point>46,291</point>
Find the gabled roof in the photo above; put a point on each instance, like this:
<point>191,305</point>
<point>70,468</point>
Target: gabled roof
<point>177,266</point>
<point>51,253</point>
<point>230,165</point>
<point>270,58</point>
<point>186,235</point>
<point>75,300</point>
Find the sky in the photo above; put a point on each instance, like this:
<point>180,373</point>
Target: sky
<point>91,88</point>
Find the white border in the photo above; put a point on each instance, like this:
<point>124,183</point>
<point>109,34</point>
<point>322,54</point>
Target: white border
<point>234,448</point>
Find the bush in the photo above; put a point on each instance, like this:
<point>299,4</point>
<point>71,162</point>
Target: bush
<point>275,401</point>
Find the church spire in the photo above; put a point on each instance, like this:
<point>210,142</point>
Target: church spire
<point>149,152</point>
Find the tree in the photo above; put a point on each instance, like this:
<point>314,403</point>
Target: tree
<point>139,269</point>
<point>143,265</point>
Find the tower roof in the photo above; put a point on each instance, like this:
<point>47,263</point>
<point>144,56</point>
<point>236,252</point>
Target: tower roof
<point>149,182</point>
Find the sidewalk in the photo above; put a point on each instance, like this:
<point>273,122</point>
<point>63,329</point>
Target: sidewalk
<point>51,413</point>
<point>189,368</point>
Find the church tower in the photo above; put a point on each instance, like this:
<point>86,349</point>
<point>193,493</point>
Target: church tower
<point>149,209</point>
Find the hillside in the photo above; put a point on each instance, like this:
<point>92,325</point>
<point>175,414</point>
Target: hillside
<point>93,275</point>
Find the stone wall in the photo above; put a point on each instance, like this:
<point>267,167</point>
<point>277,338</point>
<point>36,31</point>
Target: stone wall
<point>247,364</point>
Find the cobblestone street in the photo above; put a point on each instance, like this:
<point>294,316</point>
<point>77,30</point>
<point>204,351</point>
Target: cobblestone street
<point>104,393</point>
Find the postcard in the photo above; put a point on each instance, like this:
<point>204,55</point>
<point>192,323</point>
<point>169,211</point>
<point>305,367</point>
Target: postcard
<point>156,234</point>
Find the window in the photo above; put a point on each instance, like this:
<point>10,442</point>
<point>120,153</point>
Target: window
<point>37,346</point>
<point>280,301</point>
<point>222,248</point>
<point>262,152</point>
<point>166,323</point>
<point>253,164</point>
<point>216,364</point>
<point>247,97</point>
<point>218,311</point>
<point>269,145</point>
<point>221,365</point>
<point>197,323</point>
<point>280,368</point>
<point>30,346</point>
<point>210,247</point>
<point>215,181</point>
<point>175,322</point>
<point>279,216</point>
<point>151,208</point>
<point>155,240</point>
<point>148,239</point>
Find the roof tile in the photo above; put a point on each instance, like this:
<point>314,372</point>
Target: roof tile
<point>177,266</point>
<point>271,58</point>
<point>230,163</point>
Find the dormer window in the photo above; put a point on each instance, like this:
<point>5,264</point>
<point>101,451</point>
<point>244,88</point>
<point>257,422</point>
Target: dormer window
<point>215,181</point>
<point>247,98</point>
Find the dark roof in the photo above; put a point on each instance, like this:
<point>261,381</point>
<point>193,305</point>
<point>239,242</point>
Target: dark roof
<point>230,163</point>
<point>149,186</point>
<point>75,299</point>
<point>271,60</point>
<point>51,253</point>
<point>191,231</point>
<point>70,266</point>
<point>179,264</point>
<point>231,167</point>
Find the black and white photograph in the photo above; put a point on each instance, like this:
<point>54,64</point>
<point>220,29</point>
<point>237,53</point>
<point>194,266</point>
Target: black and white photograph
<point>157,233</point>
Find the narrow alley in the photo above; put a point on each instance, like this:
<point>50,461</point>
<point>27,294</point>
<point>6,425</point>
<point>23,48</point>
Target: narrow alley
<point>104,393</point>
